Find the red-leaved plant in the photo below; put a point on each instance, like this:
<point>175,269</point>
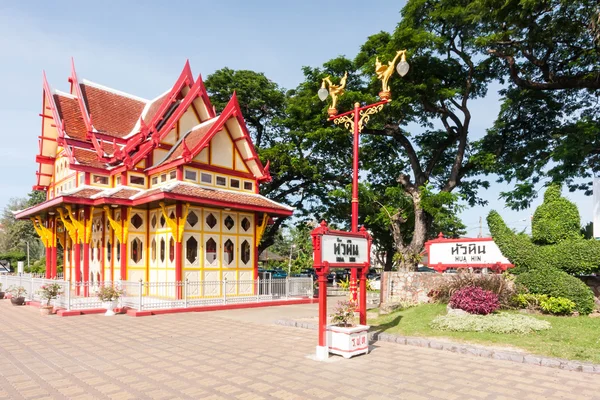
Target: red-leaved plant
<point>475,300</point>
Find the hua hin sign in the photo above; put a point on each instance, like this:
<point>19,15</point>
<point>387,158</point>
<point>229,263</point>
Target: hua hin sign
<point>465,253</point>
<point>337,249</point>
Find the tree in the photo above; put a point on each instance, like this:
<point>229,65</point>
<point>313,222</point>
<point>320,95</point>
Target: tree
<point>16,234</point>
<point>548,54</point>
<point>296,244</point>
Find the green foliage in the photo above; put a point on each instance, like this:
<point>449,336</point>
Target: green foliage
<point>501,285</point>
<point>16,234</point>
<point>528,300</point>
<point>496,323</point>
<point>544,303</point>
<point>37,267</point>
<point>296,242</point>
<point>557,306</point>
<point>566,250</point>
<point>109,293</point>
<point>556,219</point>
<point>555,283</point>
<point>548,124</point>
<point>17,291</point>
<point>343,314</point>
<point>50,291</point>
<point>344,285</point>
<point>13,257</point>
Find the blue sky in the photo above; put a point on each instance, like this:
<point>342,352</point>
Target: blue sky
<point>140,47</point>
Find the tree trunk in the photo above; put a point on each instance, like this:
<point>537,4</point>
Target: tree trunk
<point>410,255</point>
<point>389,258</point>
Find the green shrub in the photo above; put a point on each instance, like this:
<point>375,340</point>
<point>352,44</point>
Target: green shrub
<point>494,323</point>
<point>557,306</point>
<point>556,219</point>
<point>501,285</point>
<point>528,300</point>
<point>555,283</point>
<point>557,241</point>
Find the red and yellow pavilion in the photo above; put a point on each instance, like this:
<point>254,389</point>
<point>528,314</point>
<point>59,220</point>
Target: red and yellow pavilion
<point>161,190</point>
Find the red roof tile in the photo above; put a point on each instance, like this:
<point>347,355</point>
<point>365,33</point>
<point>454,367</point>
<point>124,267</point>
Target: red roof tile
<point>122,194</point>
<point>153,109</point>
<point>227,196</point>
<point>87,158</point>
<point>84,193</point>
<point>70,113</point>
<point>112,114</point>
<point>191,140</point>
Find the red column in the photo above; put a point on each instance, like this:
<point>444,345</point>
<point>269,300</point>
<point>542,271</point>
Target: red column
<point>101,251</point>
<point>363,295</point>
<point>48,260</point>
<point>86,253</point>
<point>178,252</point>
<point>322,274</point>
<point>77,250</point>
<point>353,272</point>
<point>54,261</point>
<point>124,222</point>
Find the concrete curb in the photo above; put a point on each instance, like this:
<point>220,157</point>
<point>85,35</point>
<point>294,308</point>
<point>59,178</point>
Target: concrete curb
<point>480,351</point>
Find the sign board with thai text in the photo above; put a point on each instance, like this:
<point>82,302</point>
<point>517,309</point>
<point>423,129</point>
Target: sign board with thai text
<point>344,250</point>
<point>457,253</point>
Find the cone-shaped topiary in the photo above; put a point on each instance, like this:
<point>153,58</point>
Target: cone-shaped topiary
<point>556,219</point>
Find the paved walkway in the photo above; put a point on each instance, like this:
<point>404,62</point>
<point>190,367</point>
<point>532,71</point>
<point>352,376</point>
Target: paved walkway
<point>241,355</point>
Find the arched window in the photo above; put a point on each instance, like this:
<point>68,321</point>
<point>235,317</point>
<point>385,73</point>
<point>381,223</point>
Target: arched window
<point>153,249</point>
<point>136,250</point>
<point>108,251</point>
<point>171,249</point>
<point>228,252</point>
<point>162,249</point>
<point>245,252</point>
<point>191,250</point>
<point>211,250</point>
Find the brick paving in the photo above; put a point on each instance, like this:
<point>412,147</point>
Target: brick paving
<point>242,355</point>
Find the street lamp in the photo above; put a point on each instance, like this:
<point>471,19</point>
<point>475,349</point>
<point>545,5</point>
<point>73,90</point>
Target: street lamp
<point>356,119</point>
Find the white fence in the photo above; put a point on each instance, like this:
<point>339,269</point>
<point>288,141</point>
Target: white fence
<point>165,295</point>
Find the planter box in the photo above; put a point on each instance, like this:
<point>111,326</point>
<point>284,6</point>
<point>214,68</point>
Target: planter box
<point>348,342</point>
<point>110,306</point>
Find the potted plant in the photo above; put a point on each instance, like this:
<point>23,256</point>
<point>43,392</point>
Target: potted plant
<point>1,292</point>
<point>109,296</point>
<point>49,292</point>
<point>17,295</point>
<point>344,338</point>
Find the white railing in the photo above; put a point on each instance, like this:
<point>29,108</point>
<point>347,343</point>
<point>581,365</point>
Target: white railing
<point>166,295</point>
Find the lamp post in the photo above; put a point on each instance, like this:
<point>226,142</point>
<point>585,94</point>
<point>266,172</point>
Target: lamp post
<point>292,247</point>
<point>356,119</point>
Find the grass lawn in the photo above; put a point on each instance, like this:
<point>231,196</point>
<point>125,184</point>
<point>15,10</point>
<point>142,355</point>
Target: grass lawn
<point>574,338</point>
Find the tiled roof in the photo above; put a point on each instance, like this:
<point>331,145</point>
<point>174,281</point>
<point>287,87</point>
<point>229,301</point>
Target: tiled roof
<point>85,193</point>
<point>111,113</point>
<point>70,113</point>
<point>122,194</point>
<point>153,109</point>
<point>191,140</point>
<point>228,196</point>
<point>87,158</point>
